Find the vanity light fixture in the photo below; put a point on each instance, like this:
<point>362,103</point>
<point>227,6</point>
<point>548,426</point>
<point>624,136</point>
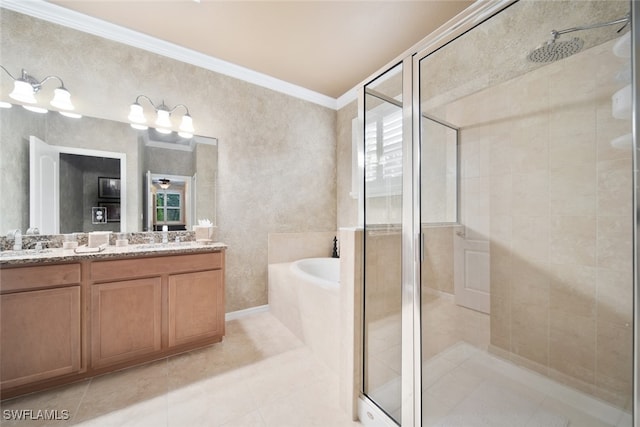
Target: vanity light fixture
<point>26,87</point>
<point>163,118</point>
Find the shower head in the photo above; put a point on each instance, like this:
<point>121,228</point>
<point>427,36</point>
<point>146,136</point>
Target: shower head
<point>554,50</point>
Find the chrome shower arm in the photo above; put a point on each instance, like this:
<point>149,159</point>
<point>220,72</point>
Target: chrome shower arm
<point>624,20</point>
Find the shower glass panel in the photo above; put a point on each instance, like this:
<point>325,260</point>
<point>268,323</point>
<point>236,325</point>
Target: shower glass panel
<point>527,300</point>
<point>382,241</point>
<point>439,181</point>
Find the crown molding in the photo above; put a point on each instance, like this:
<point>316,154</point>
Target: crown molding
<point>58,15</point>
<point>346,98</point>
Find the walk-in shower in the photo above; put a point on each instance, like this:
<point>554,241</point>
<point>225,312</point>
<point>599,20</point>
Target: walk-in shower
<point>499,264</point>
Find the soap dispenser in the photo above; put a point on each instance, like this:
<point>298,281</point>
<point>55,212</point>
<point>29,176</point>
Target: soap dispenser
<point>165,234</point>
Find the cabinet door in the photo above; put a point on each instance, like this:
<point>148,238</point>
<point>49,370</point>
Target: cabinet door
<point>39,335</point>
<point>196,306</point>
<point>125,320</point>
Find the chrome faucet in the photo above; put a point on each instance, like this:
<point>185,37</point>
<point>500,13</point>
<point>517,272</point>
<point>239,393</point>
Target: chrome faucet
<point>16,236</point>
<point>40,245</point>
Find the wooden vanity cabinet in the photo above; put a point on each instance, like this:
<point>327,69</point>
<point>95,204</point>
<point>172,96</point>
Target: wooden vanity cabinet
<point>40,323</point>
<point>64,322</point>
<point>143,308</point>
<point>191,298</point>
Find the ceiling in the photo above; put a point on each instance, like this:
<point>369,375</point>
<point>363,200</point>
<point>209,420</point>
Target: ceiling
<point>325,46</point>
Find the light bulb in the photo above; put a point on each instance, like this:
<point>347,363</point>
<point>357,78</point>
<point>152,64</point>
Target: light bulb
<point>185,135</point>
<point>163,119</point>
<point>139,126</point>
<point>5,104</point>
<point>136,114</point>
<point>62,99</point>
<point>164,130</point>
<point>23,92</point>
<point>187,124</point>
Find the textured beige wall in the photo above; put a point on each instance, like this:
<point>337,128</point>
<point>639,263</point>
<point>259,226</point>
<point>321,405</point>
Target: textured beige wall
<point>276,153</point>
<point>289,247</point>
<point>541,180</point>
<point>15,127</point>
<point>347,205</point>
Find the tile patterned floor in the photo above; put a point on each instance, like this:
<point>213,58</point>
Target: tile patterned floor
<point>261,375</point>
<point>457,366</point>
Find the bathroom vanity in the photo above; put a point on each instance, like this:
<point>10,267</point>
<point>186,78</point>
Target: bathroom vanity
<point>68,316</point>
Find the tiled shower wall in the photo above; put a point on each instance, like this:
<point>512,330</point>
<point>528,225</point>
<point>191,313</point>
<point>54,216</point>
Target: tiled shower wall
<point>540,179</point>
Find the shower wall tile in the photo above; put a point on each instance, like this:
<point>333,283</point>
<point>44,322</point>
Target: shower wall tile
<point>571,190</point>
<point>572,289</point>
<point>614,187</point>
<point>500,193</point>
<point>529,96</point>
<point>614,250</point>
<point>530,342</point>
<point>500,149</point>
<point>614,362</point>
<point>500,321</point>
<point>571,135</point>
<point>501,231</point>
<point>530,151</point>
<point>437,268</point>
<point>530,236</point>
<point>615,297</point>
<point>609,128</point>
<point>572,344</point>
<point>501,264</point>
<point>383,274</point>
<point>560,220</point>
<point>530,193</point>
<point>572,240</point>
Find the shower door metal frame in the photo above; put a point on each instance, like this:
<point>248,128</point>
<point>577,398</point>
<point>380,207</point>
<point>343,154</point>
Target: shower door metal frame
<point>635,132</point>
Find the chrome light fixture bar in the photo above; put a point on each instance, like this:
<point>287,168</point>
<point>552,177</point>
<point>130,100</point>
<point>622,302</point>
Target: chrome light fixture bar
<point>163,117</point>
<point>26,87</point>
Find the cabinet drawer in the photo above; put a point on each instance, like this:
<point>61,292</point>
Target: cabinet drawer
<point>41,276</point>
<point>141,267</point>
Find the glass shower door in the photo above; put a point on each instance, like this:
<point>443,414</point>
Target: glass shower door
<point>383,175</point>
<point>527,292</point>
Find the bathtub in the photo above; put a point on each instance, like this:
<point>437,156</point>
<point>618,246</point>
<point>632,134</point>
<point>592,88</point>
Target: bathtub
<point>304,296</point>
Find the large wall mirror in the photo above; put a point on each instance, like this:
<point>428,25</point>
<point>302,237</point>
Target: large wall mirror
<point>105,166</point>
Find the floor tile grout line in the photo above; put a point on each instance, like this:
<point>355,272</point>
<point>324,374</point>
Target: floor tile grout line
<point>80,401</point>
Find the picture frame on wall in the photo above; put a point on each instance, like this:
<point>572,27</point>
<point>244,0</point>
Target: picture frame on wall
<point>113,210</point>
<point>108,188</point>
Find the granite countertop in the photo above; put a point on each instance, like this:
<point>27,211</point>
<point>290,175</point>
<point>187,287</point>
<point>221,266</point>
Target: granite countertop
<point>135,250</point>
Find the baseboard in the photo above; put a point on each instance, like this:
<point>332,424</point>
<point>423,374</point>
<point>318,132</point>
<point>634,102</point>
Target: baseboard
<point>233,315</point>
